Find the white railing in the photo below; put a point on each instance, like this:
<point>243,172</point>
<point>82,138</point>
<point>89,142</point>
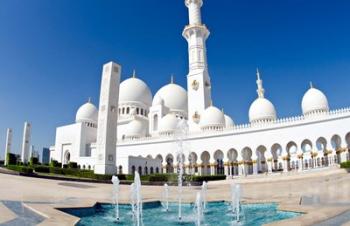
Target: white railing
<point>242,127</point>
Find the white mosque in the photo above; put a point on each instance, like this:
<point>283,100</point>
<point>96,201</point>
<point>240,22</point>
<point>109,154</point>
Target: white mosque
<point>134,130</point>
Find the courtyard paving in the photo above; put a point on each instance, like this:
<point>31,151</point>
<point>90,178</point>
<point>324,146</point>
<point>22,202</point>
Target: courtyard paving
<point>323,195</point>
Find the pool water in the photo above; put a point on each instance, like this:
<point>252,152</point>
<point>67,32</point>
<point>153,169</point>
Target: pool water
<point>154,214</point>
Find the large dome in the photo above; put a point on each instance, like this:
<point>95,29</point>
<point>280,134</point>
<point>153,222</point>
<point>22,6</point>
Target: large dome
<point>87,113</point>
<point>314,101</point>
<point>212,117</point>
<point>228,122</point>
<point>135,129</point>
<point>135,90</point>
<point>168,124</point>
<point>173,96</point>
<point>261,110</point>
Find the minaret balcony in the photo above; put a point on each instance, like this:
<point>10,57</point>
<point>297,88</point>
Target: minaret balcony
<point>200,29</point>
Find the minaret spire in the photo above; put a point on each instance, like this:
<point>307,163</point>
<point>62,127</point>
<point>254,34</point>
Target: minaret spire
<point>172,79</point>
<point>259,82</point>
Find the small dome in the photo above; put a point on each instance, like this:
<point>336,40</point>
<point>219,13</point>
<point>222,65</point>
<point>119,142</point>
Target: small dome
<point>135,90</point>
<point>228,122</point>
<point>174,97</point>
<point>314,101</point>
<point>87,113</point>
<point>135,128</point>
<point>212,116</point>
<point>262,110</point>
<point>168,124</point>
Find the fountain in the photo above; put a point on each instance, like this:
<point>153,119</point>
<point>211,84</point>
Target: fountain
<point>204,194</point>
<point>180,135</point>
<point>235,201</point>
<point>132,198</point>
<point>153,213</point>
<point>166,197</point>
<point>199,208</point>
<point>136,199</point>
<point>115,196</point>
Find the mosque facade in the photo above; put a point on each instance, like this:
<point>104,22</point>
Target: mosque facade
<point>133,130</point>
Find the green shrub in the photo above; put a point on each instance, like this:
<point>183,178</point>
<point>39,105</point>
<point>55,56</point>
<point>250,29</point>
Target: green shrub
<point>345,165</point>
<point>73,165</point>
<point>55,163</point>
<point>11,159</point>
<point>33,161</point>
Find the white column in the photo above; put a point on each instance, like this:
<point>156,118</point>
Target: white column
<point>26,142</point>
<point>226,167</point>
<point>199,169</point>
<point>269,160</point>
<point>212,168</point>
<point>301,166</point>
<point>107,120</point>
<point>8,144</point>
<point>343,156</point>
<point>269,166</point>
<point>255,165</point>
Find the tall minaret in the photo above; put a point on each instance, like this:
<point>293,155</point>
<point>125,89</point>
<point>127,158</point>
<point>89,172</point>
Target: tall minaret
<point>8,144</point>
<point>198,80</point>
<point>26,142</point>
<point>107,120</point>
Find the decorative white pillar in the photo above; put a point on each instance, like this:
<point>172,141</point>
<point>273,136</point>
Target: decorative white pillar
<point>106,143</point>
<point>26,142</point>
<point>8,144</point>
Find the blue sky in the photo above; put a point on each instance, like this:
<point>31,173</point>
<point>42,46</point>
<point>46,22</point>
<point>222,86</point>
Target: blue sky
<point>51,54</point>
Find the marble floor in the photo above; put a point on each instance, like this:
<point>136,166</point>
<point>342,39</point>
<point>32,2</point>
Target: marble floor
<point>323,195</point>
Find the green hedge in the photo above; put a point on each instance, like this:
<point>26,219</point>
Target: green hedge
<point>42,169</point>
<point>73,165</point>
<point>174,178</point>
<point>21,169</point>
<point>79,173</point>
<point>345,165</point>
<point>206,178</point>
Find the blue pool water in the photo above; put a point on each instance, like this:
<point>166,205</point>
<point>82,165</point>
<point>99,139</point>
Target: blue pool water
<point>217,214</point>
